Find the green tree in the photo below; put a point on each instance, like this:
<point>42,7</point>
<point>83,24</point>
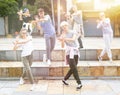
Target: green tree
<point>45,4</point>
<point>7,7</point>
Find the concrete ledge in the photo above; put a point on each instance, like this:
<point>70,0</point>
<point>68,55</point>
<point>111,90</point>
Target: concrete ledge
<point>92,48</point>
<point>59,69</point>
<point>58,55</point>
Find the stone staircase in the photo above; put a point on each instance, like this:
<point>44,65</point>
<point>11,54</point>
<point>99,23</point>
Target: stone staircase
<point>59,69</point>
<point>11,65</point>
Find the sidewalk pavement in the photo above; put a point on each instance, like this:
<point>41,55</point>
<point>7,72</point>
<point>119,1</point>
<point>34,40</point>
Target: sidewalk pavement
<point>56,87</point>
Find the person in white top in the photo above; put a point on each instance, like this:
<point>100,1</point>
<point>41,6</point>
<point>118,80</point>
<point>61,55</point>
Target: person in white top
<point>25,41</point>
<point>104,24</point>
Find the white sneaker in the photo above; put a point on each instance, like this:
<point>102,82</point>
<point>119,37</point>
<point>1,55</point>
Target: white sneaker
<point>49,62</point>
<point>99,58</point>
<point>79,86</point>
<point>21,81</point>
<point>32,88</point>
<point>111,61</point>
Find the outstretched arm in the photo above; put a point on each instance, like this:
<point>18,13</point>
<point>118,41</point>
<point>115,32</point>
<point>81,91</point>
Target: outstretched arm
<point>20,15</point>
<point>24,41</point>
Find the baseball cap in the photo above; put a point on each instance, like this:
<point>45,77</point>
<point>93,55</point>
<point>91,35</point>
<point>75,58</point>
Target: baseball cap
<point>25,10</point>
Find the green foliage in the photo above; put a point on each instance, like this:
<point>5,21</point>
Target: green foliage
<point>45,4</point>
<point>32,8</point>
<point>8,7</point>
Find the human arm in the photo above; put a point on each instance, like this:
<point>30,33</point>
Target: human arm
<point>45,18</point>
<point>20,15</point>
<point>16,46</point>
<point>29,38</point>
<point>73,38</point>
<point>99,23</point>
<point>63,38</point>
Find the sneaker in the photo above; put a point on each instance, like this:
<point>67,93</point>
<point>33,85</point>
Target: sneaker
<point>64,82</point>
<point>111,61</point>
<point>21,81</point>
<point>49,62</point>
<point>99,58</point>
<point>79,86</point>
<point>32,88</point>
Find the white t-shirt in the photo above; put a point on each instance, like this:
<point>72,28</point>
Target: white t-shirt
<point>27,47</point>
<point>106,26</point>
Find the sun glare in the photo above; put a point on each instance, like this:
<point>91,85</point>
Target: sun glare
<point>84,0</point>
<point>99,5</point>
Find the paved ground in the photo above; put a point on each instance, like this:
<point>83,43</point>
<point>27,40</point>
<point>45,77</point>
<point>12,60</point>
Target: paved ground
<point>55,87</point>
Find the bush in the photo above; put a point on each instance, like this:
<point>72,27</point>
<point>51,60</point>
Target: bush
<point>8,7</point>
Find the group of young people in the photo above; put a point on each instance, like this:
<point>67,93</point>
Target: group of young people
<point>24,40</point>
<point>71,36</point>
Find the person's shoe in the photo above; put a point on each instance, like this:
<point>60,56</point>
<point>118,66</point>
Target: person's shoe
<point>32,88</point>
<point>79,86</point>
<point>49,62</point>
<point>80,48</point>
<point>111,61</point>
<point>99,58</point>
<point>64,82</point>
<point>21,81</point>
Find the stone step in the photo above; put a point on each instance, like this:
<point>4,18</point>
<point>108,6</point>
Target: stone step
<point>59,69</point>
<point>58,55</point>
<point>92,48</point>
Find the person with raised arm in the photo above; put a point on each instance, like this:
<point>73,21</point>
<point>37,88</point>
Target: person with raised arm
<point>72,53</point>
<point>104,24</point>
<point>24,41</point>
<point>44,22</point>
<point>26,17</point>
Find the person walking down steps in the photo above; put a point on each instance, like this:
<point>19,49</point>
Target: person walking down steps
<point>45,22</point>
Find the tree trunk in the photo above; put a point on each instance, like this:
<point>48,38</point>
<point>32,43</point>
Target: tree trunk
<point>6,25</point>
<point>24,2</point>
<point>53,12</point>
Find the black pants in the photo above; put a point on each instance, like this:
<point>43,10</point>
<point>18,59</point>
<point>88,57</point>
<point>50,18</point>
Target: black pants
<point>73,69</point>
<point>80,42</point>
